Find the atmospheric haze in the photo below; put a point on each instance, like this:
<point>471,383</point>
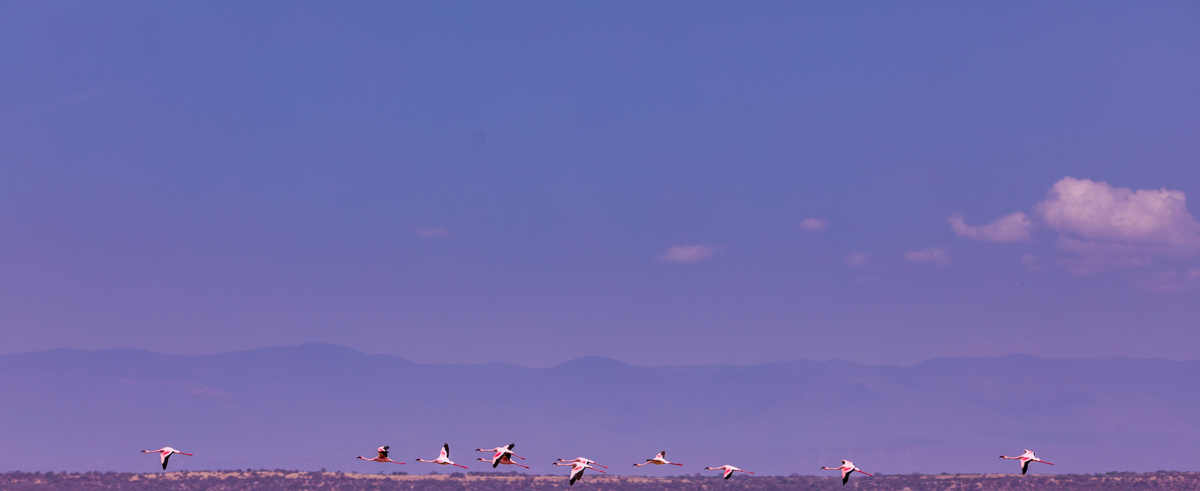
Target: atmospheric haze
<point>318,406</point>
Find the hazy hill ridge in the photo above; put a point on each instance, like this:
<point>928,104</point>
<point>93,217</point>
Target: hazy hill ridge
<point>316,406</point>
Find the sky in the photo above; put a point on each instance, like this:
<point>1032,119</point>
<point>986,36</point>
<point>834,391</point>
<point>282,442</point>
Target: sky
<point>664,183</point>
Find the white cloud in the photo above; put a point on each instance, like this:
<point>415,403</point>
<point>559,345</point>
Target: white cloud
<point>433,232</point>
<point>1094,218</point>
<point>1013,227</point>
<point>857,260</point>
<point>687,254</point>
<point>814,223</point>
<point>1100,226</point>
<point>937,256</point>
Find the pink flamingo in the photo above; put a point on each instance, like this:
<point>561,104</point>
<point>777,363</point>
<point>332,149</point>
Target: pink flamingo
<point>1025,459</point>
<point>443,458</point>
<point>729,470</point>
<point>382,457</point>
<point>502,461</point>
<point>577,469</point>
<point>164,454</point>
<point>659,459</point>
<point>847,468</point>
<point>501,453</point>
<point>581,460</point>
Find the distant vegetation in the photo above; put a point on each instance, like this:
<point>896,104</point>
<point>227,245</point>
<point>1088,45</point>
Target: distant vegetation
<point>487,481</point>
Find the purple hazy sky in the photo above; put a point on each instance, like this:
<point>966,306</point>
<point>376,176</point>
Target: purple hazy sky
<point>659,182</point>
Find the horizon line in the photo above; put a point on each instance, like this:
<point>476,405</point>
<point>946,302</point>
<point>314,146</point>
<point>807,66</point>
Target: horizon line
<point>586,357</point>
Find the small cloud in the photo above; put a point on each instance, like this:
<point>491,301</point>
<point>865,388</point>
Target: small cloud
<point>687,254</point>
<point>433,232</point>
<point>1170,281</point>
<point>1013,227</point>
<point>937,256</point>
<point>814,223</point>
<point>1029,260</point>
<point>857,260</point>
<point>1086,264</point>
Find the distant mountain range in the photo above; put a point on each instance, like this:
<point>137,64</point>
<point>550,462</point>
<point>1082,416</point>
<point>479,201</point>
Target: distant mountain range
<point>318,406</point>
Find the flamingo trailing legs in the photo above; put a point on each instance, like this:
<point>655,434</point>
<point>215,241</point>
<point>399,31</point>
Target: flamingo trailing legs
<point>443,458</point>
<point>382,457</point>
<point>847,468</point>
<point>577,469</point>
<point>1025,459</point>
<point>659,459</point>
<point>501,453</point>
<point>581,460</point>
<point>728,470</point>
<point>164,454</point>
<point>501,461</point>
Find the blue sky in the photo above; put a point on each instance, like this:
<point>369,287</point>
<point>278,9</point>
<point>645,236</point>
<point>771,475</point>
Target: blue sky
<point>534,182</point>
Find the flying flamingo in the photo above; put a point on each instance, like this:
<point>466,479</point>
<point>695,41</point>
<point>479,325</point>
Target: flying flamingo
<point>503,460</point>
<point>382,457</point>
<point>847,468</point>
<point>164,454</point>
<point>502,453</point>
<point>581,460</point>
<point>1025,459</point>
<point>729,470</point>
<point>577,469</point>
<point>443,458</point>
<point>659,459</point>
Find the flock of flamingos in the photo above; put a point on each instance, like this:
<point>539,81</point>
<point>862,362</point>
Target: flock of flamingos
<point>504,455</point>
